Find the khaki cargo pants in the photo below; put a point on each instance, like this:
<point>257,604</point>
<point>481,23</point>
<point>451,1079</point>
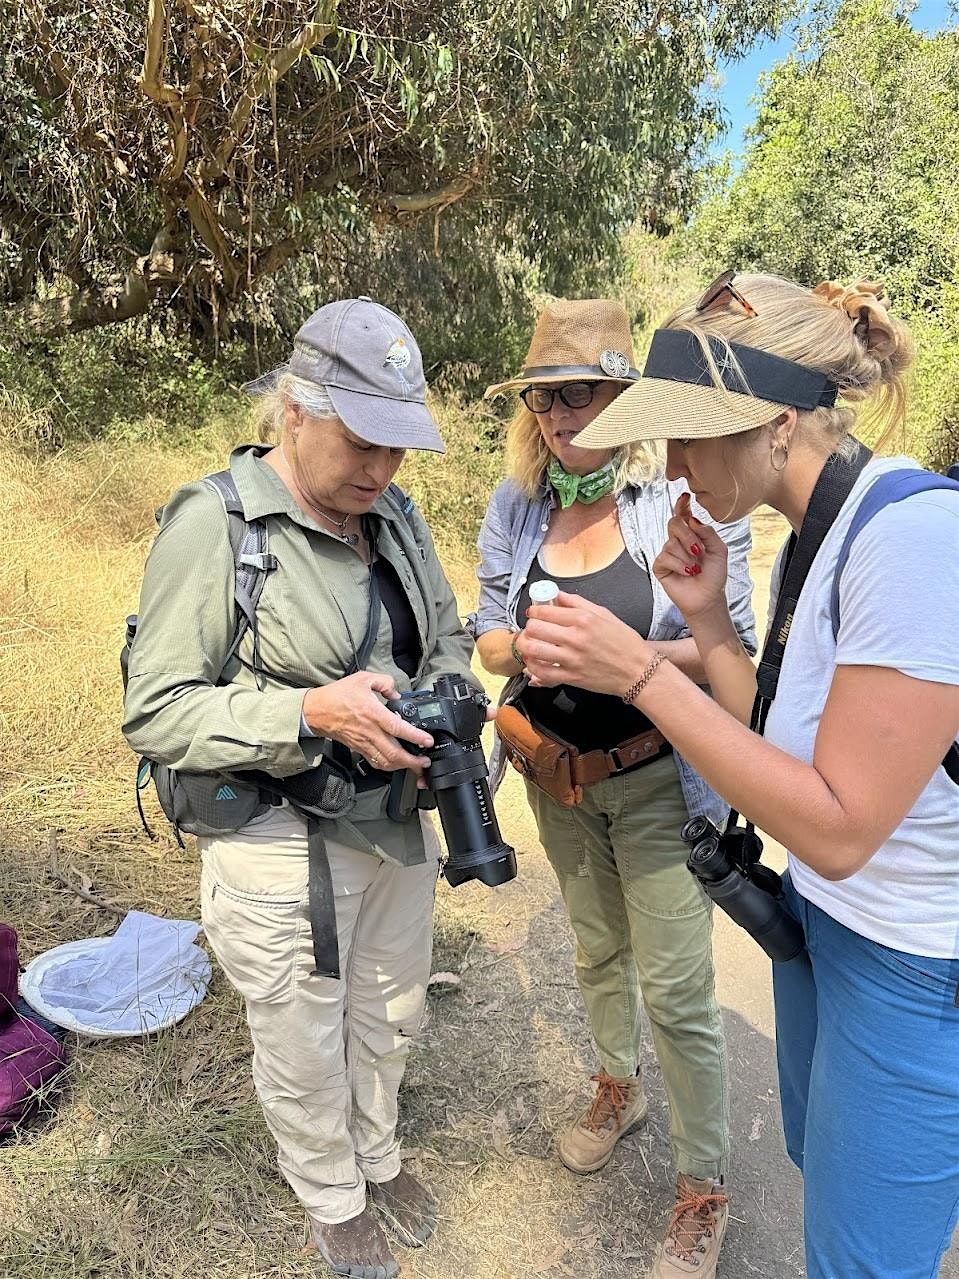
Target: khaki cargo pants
<point>328,1055</point>
<point>644,926</point>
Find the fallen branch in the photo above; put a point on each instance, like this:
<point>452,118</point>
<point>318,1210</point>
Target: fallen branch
<point>58,877</point>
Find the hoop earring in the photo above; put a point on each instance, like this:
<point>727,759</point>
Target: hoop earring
<point>772,455</point>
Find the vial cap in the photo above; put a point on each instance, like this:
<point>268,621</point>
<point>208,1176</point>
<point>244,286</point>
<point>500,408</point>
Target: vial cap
<point>543,592</point>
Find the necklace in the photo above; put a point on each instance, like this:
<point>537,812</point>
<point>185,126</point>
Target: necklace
<point>351,539</point>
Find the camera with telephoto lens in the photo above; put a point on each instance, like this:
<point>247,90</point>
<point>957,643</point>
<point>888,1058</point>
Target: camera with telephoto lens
<point>453,713</point>
<point>727,866</point>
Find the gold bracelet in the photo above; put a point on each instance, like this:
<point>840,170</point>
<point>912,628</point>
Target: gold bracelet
<point>517,655</point>
<point>634,690</point>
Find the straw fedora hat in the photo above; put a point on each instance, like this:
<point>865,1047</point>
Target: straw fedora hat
<point>585,339</point>
<point>677,396</point>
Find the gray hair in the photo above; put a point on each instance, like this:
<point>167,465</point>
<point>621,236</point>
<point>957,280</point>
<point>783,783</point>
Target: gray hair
<point>311,397</point>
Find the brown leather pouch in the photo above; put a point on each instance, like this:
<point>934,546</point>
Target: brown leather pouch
<point>548,762</point>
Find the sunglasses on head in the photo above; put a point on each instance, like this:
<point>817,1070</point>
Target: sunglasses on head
<point>721,290</point>
<point>575,395</point>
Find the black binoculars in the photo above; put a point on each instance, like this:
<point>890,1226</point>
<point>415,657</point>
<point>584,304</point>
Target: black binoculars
<point>727,866</point>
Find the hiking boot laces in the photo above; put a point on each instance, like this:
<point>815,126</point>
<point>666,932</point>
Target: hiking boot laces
<point>612,1097</point>
<point>692,1224</point>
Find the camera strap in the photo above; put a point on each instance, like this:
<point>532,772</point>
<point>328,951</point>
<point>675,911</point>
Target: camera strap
<point>835,483</point>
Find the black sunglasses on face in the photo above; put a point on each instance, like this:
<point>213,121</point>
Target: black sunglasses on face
<point>718,290</point>
<point>575,395</point>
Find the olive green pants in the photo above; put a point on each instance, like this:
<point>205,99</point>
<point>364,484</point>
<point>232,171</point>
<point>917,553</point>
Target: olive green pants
<point>644,926</point>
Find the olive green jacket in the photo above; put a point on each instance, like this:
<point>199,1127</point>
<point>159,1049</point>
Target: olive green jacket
<point>183,710</point>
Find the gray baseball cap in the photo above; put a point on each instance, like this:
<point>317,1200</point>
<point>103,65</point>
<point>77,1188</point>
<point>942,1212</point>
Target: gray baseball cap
<point>369,363</point>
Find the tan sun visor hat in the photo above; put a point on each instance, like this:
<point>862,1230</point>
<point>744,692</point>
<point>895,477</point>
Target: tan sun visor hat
<point>677,398</point>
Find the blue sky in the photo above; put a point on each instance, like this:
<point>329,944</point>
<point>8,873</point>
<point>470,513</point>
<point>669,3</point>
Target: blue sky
<point>740,79</point>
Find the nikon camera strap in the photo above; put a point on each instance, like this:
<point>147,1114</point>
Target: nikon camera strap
<point>835,483</point>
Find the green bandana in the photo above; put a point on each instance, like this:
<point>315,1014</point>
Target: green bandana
<point>580,488</point>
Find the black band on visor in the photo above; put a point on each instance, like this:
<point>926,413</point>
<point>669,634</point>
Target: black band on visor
<point>676,356</point>
<point>576,373</point>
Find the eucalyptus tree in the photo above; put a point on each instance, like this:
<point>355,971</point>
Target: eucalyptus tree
<point>184,155</point>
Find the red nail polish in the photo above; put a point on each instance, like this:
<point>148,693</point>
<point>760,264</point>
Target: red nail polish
<point>696,549</point>
<point>697,569</point>
<point>691,570</point>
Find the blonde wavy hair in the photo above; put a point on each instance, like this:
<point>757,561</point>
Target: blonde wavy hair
<point>270,410</point>
<point>843,331</point>
<point>527,456</point>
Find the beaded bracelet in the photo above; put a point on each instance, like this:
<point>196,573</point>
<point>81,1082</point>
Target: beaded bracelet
<point>517,655</point>
<point>634,690</point>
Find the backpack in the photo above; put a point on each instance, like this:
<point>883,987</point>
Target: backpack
<point>31,1057</point>
<point>218,803</point>
<point>893,486</point>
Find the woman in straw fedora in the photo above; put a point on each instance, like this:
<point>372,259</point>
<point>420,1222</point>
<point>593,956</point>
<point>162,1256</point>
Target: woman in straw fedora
<point>592,520</point>
<point>856,769</point>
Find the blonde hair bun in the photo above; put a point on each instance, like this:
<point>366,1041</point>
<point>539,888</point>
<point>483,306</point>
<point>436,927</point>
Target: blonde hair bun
<point>882,335</point>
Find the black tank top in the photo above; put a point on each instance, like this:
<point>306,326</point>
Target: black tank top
<point>587,720</point>
<point>407,649</point>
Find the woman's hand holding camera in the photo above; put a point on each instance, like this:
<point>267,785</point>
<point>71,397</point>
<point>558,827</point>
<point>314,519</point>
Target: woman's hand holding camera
<point>577,642</point>
<point>349,711</point>
<point>692,564</point>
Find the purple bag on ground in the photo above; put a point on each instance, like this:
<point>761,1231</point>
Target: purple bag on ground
<point>30,1057</point>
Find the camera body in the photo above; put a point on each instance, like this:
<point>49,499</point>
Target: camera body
<point>728,868</point>
<point>453,713</point>
<point>450,710</point>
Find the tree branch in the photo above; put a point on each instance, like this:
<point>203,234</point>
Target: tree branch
<point>90,308</point>
<point>167,97</point>
<point>436,199</point>
<point>154,55</point>
<point>263,80</point>
<point>210,230</point>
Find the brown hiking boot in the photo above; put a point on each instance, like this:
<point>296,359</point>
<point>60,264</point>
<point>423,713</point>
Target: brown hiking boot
<point>619,1106</point>
<point>695,1234</point>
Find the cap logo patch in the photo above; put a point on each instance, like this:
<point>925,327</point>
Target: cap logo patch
<point>614,364</point>
<point>399,355</point>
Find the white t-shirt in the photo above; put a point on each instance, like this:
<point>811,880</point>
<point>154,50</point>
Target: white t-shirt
<point>899,607</point>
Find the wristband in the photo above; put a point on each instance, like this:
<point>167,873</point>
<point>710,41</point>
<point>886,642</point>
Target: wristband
<point>652,666</point>
<point>517,655</point>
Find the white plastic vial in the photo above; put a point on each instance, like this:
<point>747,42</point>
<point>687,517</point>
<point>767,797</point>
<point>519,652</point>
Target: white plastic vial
<point>543,592</point>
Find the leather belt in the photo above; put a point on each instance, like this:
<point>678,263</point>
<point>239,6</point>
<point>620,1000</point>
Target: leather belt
<point>596,766</point>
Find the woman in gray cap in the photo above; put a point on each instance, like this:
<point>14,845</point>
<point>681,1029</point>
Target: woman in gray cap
<point>307,682</point>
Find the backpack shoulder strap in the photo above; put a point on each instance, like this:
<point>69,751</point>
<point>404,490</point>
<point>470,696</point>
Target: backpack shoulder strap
<point>251,561</point>
<point>403,503</point>
<point>893,486</point>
